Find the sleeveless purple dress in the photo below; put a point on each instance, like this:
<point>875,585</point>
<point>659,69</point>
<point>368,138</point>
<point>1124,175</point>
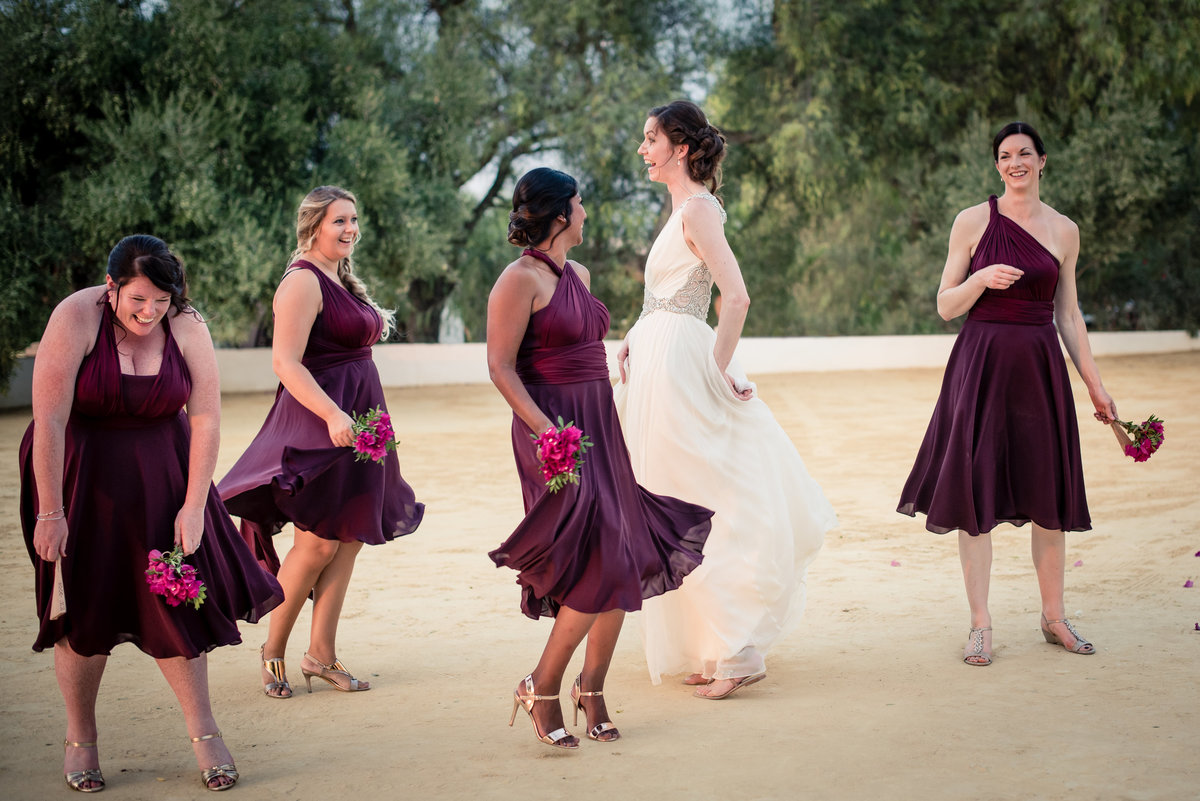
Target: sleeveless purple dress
<point>1003,443</point>
<point>604,543</point>
<point>291,472</point>
<point>125,473</point>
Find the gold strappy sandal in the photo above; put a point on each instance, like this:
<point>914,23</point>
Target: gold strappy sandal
<point>334,673</point>
<point>274,674</point>
<point>77,778</point>
<point>226,771</point>
<point>577,696</point>
<point>559,738</point>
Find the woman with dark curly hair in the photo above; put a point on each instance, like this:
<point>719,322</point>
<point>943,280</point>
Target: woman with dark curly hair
<point>117,463</point>
<point>595,549</point>
<point>696,431</point>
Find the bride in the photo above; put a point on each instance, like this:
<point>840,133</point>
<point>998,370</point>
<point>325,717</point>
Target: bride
<point>695,430</point>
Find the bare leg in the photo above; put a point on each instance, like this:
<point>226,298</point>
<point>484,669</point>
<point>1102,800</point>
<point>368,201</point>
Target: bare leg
<point>975,555</point>
<point>299,573</point>
<point>601,642</point>
<point>189,680</point>
<point>1050,562</point>
<point>329,596</point>
<point>79,682</point>
<point>570,627</point>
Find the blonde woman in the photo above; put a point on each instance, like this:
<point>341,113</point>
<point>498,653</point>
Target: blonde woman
<point>300,467</point>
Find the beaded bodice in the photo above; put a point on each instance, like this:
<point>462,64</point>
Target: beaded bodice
<point>677,281</point>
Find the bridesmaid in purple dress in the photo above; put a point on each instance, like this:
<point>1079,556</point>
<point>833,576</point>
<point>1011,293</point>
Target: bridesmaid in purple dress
<point>592,551</point>
<point>1003,443</point>
<point>300,467</point>
<point>112,467</point>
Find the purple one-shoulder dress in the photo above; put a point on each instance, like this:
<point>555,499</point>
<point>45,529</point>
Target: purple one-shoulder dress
<point>1003,443</point>
<point>125,474</point>
<point>291,472</point>
<point>605,543</point>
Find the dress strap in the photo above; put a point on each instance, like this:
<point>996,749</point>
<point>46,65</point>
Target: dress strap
<point>711,198</point>
<point>540,256</point>
<point>995,209</point>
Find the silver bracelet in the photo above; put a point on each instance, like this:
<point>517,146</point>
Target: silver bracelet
<point>60,511</point>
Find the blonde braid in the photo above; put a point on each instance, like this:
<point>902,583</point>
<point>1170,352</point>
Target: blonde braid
<point>308,220</point>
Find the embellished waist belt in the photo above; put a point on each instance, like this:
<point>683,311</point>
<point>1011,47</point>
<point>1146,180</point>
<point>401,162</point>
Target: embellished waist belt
<point>1016,311</point>
<point>693,298</point>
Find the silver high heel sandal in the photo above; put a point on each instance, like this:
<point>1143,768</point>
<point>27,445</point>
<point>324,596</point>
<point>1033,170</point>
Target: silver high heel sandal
<point>977,656</point>
<point>577,696</point>
<point>1082,646</point>
<point>335,673</point>
<point>274,675</point>
<point>77,778</point>
<point>226,771</point>
<point>559,738</point>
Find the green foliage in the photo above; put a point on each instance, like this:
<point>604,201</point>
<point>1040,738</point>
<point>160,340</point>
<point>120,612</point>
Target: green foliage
<point>857,131</point>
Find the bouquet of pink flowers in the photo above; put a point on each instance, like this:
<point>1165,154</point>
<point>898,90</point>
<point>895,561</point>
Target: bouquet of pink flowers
<point>1140,440</point>
<point>176,582</point>
<point>560,450</point>
<point>373,436</point>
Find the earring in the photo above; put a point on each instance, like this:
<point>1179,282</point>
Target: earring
<point>1040,174</point>
<point>677,162</point>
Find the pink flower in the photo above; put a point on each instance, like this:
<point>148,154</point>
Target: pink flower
<point>177,583</point>
<point>1187,585</point>
<point>1143,438</point>
<point>373,436</point>
<point>1078,563</point>
<point>895,563</point>
<point>560,450</point>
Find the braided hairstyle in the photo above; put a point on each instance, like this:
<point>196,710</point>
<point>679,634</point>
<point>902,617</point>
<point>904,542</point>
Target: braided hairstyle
<point>142,254</point>
<point>684,123</point>
<point>538,198</point>
<point>309,217</point>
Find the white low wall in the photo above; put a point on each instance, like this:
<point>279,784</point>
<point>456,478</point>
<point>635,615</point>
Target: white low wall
<point>249,369</point>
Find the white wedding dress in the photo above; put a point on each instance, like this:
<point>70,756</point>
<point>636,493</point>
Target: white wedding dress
<point>690,437</point>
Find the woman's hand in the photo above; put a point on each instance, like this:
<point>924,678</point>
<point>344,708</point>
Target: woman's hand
<point>622,357</point>
<point>746,393</point>
<point>50,539</point>
<point>1106,407</point>
<point>189,529</point>
<point>999,276</point>
<point>341,429</point>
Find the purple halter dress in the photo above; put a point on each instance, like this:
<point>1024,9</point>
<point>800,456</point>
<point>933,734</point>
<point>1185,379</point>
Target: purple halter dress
<point>125,474</point>
<point>605,543</point>
<point>1003,443</point>
<point>291,472</point>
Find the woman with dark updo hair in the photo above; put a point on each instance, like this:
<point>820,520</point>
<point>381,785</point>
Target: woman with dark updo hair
<point>592,551</point>
<point>1003,443</point>
<point>118,462</point>
<point>696,431</point>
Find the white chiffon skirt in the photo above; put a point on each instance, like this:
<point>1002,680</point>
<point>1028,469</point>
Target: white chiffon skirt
<point>690,437</point>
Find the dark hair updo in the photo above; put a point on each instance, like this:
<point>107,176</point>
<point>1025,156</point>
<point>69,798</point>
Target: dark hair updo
<point>684,123</point>
<point>539,197</point>
<point>1017,128</point>
<point>142,254</point>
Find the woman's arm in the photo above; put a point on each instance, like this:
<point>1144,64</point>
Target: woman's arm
<point>204,418</point>
<point>1071,327</point>
<point>705,233</point>
<point>297,304</point>
<point>69,335</point>
<point>959,288</point>
<point>510,305</point>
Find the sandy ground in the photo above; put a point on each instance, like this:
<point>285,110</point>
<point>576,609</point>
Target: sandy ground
<point>866,699</point>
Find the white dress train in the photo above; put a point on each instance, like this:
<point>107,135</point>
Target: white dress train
<point>690,437</point>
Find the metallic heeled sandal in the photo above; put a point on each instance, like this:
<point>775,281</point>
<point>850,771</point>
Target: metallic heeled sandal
<point>227,771</point>
<point>559,738</point>
<point>738,683</point>
<point>577,696</point>
<point>982,658</point>
<point>331,673</point>
<point>1082,646</point>
<point>77,778</point>
<point>274,675</point>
